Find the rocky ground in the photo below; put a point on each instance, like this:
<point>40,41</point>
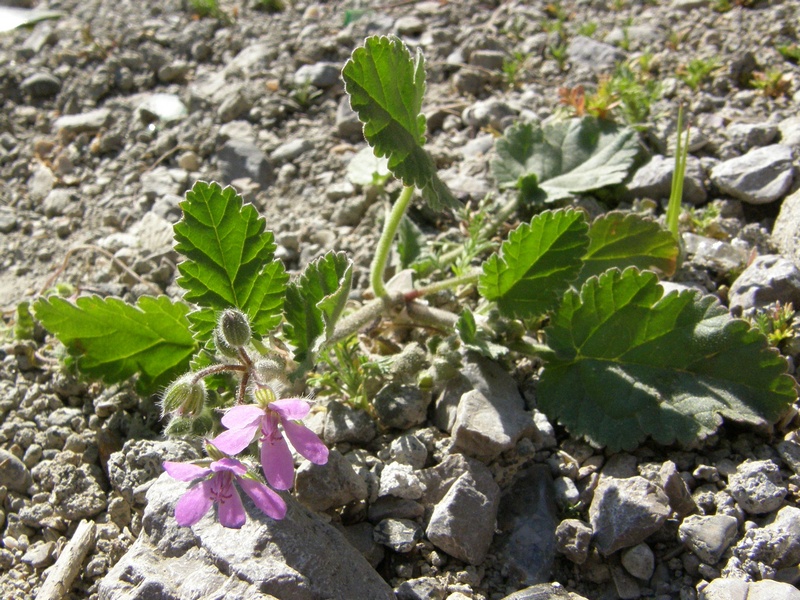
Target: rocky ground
<point>112,111</point>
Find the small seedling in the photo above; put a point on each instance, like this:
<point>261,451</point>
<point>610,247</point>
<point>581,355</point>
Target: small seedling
<point>790,52</point>
<point>773,83</point>
<point>697,71</point>
<point>587,29</point>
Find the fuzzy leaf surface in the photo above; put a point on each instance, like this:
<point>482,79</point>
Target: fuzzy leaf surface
<point>386,85</point>
<point>229,260</point>
<point>315,302</point>
<point>536,264</point>
<point>563,158</point>
<point>113,340</point>
<point>475,339</point>
<point>624,240</point>
<point>631,363</point>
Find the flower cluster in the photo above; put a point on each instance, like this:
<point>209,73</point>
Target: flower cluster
<point>268,420</point>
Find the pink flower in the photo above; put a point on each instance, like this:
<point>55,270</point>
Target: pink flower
<point>244,423</point>
<point>219,489</point>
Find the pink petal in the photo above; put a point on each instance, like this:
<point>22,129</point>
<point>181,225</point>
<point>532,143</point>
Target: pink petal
<point>277,462</point>
<point>306,442</point>
<point>184,471</point>
<point>270,503</point>
<point>290,408</point>
<point>193,504</point>
<point>229,464</point>
<point>234,441</point>
<point>242,416</point>
<point>231,510</point>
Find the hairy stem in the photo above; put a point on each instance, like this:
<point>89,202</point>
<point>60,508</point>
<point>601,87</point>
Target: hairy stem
<point>385,243</point>
<point>443,285</point>
<point>214,369</point>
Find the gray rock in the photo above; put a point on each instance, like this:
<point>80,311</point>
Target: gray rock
<point>439,479</point>
<point>409,25</point>
<point>41,85</point>
<point>654,180</point>
<point>491,60</point>
<point>8,220</point>
<point>289,559</point>
<point>486,426</point>
<point>90,121</point>
<point>362,539</point>
<point>40,555</point>
<point>639,561</point>
<point>13,474</point>
<point>333,484</point>
<point>462,522</point>
<point>40,182</point>
<point>544,591</point>
<point>58,202</point>
<point>242,158</point>
<point>674,486</point>
<point>566,492</point>
<point>593,55</point>
<point>401,535</point>
<point>421,588</point>
<point>290,150</point>
<point>750,135</point>
<point>572,540</point>
<point>790,132</point>
<point>344,423</point>
<point>492,113</point>
<point>446,408</point>
<point>391,506</point>
<point>347,124</point>
<point>321,74</point>
<point>761,176</point>
<point>401,406</point>
<point>167,108</point>
<point>769,278</point>
<point>141,461</point>
<point>790,453</point>
<point>409,450</point>
<point>776,544</point>
<point>757,486</point>
<point>738,589</point>
<point>235,105</point>
<point>786,231</point>
<point>401,481</point>
<point>527,519</point>
<point>625,512</point>
<point>708,536</point>
<point>77,492</point>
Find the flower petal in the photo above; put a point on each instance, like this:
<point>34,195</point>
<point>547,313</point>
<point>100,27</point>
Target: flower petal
<point>193,504</point>
<point>291,408</point>
<point>306,442</point>
<point>242,416</point>
<point>270,503</point>
<point>234,441</point>
<point>231,510</point>
<point>277,462</point>
<point>229,464</point>
<point>184,471</point>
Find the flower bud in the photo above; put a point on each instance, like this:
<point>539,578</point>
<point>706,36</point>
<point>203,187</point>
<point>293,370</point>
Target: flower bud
<point>224,347</point>
<point>234,327</point>
<point>184,397</point>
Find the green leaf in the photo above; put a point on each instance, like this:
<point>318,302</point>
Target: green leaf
<point>229,260</point>
<point>315,302</point>
<point>114,340</point>
<point>475,339</point>
<point>410,241</point>
<point>624,240</point>
<point>386,85</point>
<point>536,264</point>
<point>366,169</point>
<point>563,158</point>
<point>629,363</point>
<point>24,327</point>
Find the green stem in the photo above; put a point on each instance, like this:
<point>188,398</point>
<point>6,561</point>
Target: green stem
<point>385,243</point>
<point>443,285</point>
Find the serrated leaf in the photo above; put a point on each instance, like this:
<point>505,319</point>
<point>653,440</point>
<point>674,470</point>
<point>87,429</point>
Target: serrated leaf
<point>536,264</point>
<point>624,240</point>
<point>229,260</point>
<point>475,339</point>
<point>563,158</point>
<point>114,340</point>
<point>315,302</point>
<point>630,363</point>
<point>386,85</point>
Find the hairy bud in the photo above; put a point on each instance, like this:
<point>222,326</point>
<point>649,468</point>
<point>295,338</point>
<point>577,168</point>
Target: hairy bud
<point>184,397</point>
<point>223,347</point>
<point>234,327</point>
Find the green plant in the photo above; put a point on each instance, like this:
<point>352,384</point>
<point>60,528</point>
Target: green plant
<point>678,176</point>
<point>304,94</point>
<point>512,69</point>
<point>790,52</point>
<point>773,83</point>
<point>636,90</point>
<point>778,322</point>
<point>271,6</point>
<point>587,29</point>
<point>622,361</point>
<point>697,71</point>
<point>209,8</point>
<point>558,51</point>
